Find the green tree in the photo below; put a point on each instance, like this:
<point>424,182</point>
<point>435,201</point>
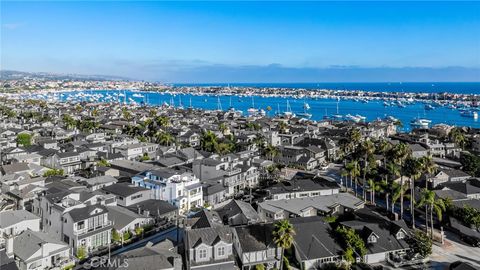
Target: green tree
<point>165,138</point>
<point>53,172</point>
<point>163,121</point>
<point>373,187</point>
<point>126,235</point>
<point>367,148</point>
<point>413,169</point>
<point>81,252</point>
<point>24,139</point>
<point>434,205</point>
<point>352,239</point>
<point>116,237</point>
<point>138,231</point>
<point>457,136</point>
<point>271,151</point>
<point>400,153</point>
<point>260,267</point>
<point>283,233</point>
<point>69,121</point>
<point>353,168</point>
<point>421,243</point>
<point>470,163</point>
<point>103,163</point>
<point>208,141</point>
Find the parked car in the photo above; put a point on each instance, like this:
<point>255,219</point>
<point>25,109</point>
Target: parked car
<point>471,240</point>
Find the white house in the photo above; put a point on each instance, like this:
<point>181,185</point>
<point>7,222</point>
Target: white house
<point>181,189</point>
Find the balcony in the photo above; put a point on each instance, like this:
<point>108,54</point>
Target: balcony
<point>87,230</point>
<point>232,172</point>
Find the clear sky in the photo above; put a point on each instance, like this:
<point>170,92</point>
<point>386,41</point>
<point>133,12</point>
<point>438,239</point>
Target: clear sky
<point>245,41</point>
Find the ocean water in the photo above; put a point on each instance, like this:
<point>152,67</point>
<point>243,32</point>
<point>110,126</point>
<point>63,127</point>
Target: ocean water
<point>318,107</point>
<point>410,87</point>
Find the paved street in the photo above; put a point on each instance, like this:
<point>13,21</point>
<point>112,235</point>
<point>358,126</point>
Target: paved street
<point>454,250</point>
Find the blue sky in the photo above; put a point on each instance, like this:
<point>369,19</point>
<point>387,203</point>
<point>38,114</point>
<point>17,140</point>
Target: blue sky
<point>246,41</point>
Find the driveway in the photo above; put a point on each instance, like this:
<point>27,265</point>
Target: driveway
<point>454,250</point>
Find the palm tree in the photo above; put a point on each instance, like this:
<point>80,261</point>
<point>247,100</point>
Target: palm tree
<point>456,135</point>
<point>69,121</point>
<point>401,152</point>
<point>385,187</point>
<point>165,138</point>
<point>354,169</point>
<point>259,141</point>
<point>271,151</point>
<point>162,121</point>
<point>282,127</point>
<point>355,136</point>
<point>222,127</point>
<point>413,169</point>
<point>367,149</point>
<point>397,192</point>
<point>438,205</point>
<point>372,188</point>
<point>283,236</point>
<point>383,147</point>
<point>428,167</point>
<point>208,141</point>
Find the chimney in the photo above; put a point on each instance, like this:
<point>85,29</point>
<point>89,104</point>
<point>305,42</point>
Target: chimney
<point>9,247</point>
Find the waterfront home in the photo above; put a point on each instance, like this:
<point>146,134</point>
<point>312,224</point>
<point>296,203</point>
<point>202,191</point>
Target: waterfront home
<point>336,204</point>
<point>38,250</point>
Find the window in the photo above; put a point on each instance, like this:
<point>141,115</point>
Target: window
<point>221,251</point>
<point>80,225</point>
<point>372,239</point>
<point>202,253</point>
<point>400,235</point>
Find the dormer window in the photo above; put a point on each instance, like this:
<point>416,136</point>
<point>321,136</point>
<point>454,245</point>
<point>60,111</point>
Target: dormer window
<point>202,253</point>
<point>400,234</point>
<point>372,238</point>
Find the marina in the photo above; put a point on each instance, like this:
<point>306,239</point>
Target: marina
<point>412,112</point>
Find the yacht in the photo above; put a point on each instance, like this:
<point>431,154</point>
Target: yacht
<point>469,113</point>
<point>420,123</point>
<point>429,107</point>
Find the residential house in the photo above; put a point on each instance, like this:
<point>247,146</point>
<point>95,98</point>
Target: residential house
<point>181,189</point>
<point>336,204</point>
<point>127,194</point>
<point>254,245</point>
<point>38,250</point>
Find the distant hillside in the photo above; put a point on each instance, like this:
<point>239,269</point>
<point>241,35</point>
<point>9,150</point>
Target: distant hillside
<point>15,75</point>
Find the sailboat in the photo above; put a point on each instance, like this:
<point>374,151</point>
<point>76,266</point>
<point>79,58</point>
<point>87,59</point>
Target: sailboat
<point>337,115</point>
<point>288,113</point>
<point>252,110</point>
<point>305,114</point>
